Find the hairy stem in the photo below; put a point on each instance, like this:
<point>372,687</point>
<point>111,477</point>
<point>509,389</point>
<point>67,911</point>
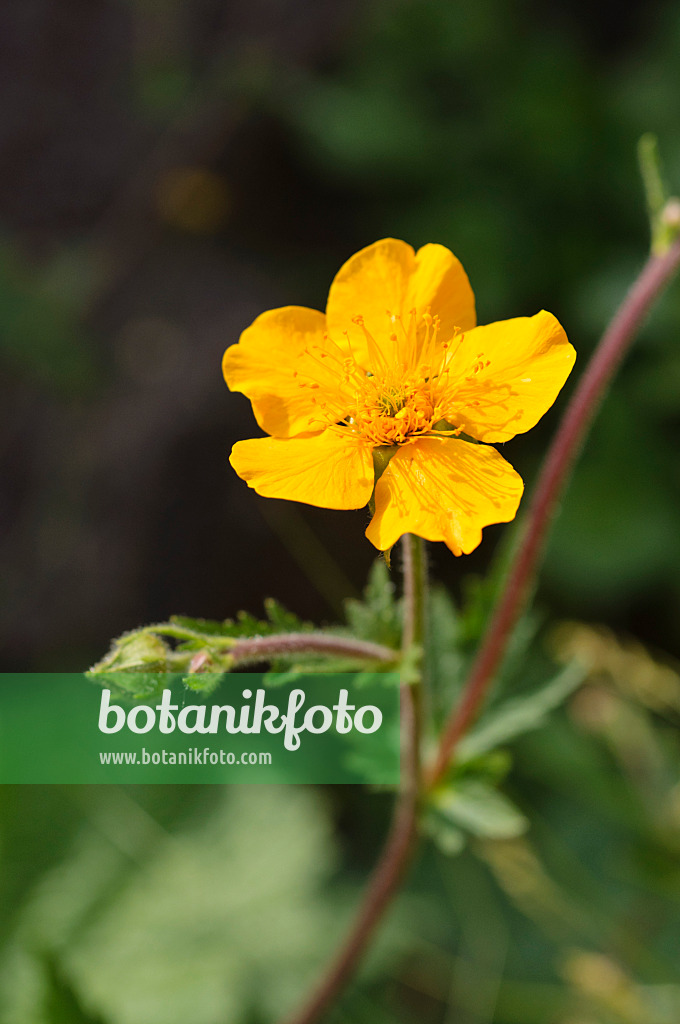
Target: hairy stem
<point>415,623</point>
<point>559,461</point>
<point>261,648</point>
<point>391,867</point>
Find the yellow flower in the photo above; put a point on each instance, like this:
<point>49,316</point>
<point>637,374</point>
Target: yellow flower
<point>397,376</point>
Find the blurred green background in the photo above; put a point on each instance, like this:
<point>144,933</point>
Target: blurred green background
<point>168,170</point>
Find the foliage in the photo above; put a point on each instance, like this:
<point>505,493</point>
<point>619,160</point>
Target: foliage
<point>378,616</point>
<point>213,909</point>
<point>509,138</point>
<point>218,903</point>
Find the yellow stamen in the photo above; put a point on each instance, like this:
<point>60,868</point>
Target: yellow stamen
<point>392,398</point>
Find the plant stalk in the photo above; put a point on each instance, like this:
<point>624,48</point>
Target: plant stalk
<point>554,474</point>
<point>261,648</point>
<point>401,840</point>
<point>415,590</point>
<point>391,867</point>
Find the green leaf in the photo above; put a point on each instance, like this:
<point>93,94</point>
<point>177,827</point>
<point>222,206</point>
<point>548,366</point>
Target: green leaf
<point>245,624</point>
<point>148,650</point>
<point>662,230</point>
<point>476,807</point>
<point>520,715</point>
<point>178,916</point>
<point>378,616</point>
<point>126,686</point>
<point>283,621</point>
<point>207,627</point>
<point>444,660</point>
<point>480,593</point>
<point>136,650</point>
<point>203,682</point>
<point>62,1005</point>
<point>279,620</point>
<point>410,667</point>
<point>441,830</point>
<point>491,767</point>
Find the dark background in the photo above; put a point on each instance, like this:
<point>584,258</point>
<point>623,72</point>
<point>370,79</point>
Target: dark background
<point>169,170</point>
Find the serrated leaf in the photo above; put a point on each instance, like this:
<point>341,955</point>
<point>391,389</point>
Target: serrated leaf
<point>279,620</point>
<point>203,682</point>
<point>476,807</point>
<point>141,686</point>
<point>520,714</point>
<point>208,627</point>
<point>378,616</point>
<point>245,624</point>
<point>282,620</point>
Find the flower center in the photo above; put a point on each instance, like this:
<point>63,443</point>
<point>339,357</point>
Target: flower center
<point>388,412</point>
<point>404,393</point>
<point>393,391</point>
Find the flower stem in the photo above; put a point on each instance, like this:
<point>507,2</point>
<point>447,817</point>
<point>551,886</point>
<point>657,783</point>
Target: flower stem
<point>561,456</point>
<point>413,634</point>
<point>400,843</point>
<point>415,587</point>
<point>390,869</point>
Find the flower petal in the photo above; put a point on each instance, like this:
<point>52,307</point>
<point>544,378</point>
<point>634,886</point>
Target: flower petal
<point>440,282</point>
<point>333,469</point>
<point>506,375</point>
<point>443,489</point>
<point>388,277</point>
<point>279,363</point>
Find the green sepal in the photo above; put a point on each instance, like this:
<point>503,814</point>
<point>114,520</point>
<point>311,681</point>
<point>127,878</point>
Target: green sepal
<point>137,650</point>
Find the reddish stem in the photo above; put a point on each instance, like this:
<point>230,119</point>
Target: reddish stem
<point>384,883</point>
<point>560,458</point>
<point>262,648</point>
<point>400,843</point>
<point>390,869</point>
